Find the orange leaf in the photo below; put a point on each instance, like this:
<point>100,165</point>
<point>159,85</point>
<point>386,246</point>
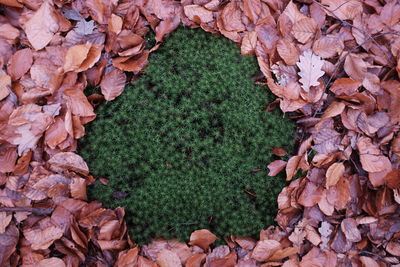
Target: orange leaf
<point>40,28</point>
<point>202,238</point>
<point>19,63</point>
<point>198,13</point>
<point>334,109</point>
<point>265,249</point>
<point>113,84</point>
<point>346,86</point>
<point>287,51</point>
<point>304,29</point>
<point>276,166</point>
<point>196,260</point>
<point>333,174</point>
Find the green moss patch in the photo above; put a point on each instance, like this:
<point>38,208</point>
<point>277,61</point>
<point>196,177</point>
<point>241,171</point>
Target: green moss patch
<point>186,146</point>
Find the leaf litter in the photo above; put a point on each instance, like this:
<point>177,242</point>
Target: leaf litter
<point>333,65</point>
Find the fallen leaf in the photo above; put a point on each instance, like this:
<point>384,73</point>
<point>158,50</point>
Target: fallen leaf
<point>4,221</point>
<point>355,66</point>
<point>127,258</point>
<point>304,29</point>
<point>334,109</point>
<point>9,240</point>
<point>42,26</point>
<point>310,69</point>
<point>343,9</point>
<point>287,51</point>
<point>196,260</point>
<point>43,238</point>
<point>275,167</point>
<point>202,238</point>
<point>367,261</point>
<point>249,43</point>
<point>198,13</point>
<point>51,262</point>
<point>20,63</point>
<point>113,84</point>
<point>265,249</point>
<point>7,159</point>
<point>81,57</point>
<point>349,228</point>
<point>167,258</point>
<point>69,161</point>
<point>345,86</point>
<point>252,9</point>
<point>333,174</point>
<point>232,18</point>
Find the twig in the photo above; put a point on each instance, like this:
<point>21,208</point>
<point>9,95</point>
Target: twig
<point>36,211</point>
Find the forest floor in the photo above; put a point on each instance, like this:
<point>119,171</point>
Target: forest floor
<point>335,63</point>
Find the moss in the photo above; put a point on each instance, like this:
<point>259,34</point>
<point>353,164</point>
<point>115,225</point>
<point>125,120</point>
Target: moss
<point>180,146</point>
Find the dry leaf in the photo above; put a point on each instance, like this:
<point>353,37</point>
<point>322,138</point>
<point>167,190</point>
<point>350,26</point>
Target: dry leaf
<point>167,258</point>
<point>349,228</point>
<point>113,84</point>
<point>343,9</point>
<point>42,26</point>
<point>69,161</point>
<point>310,69</point>
<point>355,67</point>
<point>198,13</point>
<point>20,63</point>
<point>8,240</point>
<point>202,238</point>
<point>334,109</point>
<point>265,249</point>
<point>275,167</point>
<point>196,260</point>
<point>333,174</point>
<point>287,51</point>
<point>346,86</point>
<point>304,29</point>
<point>249,43</point>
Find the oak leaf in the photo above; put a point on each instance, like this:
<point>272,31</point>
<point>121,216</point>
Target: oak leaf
<point>310,69</point>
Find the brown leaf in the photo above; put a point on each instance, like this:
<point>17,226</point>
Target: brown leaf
<point>227,261</point>
<point>284,253</point>
<point>349,228</point>
<point>69,161</point>
<point>78,103</point>
<point>19,63</point>
<point>304,29</point>
<point>167,258</point>
<point>310,195</point>
<point>5,86</point>
<point>78,188</point>
<point>133,64</point>
<point>113,84</point>
<point>115,24</point>
<point>8,240</point>
<point>127,258</point>
<point>393,179</point>
<point>326,47</point>
<point>196,260</point>
<point>51,262</point>
<point>165,27</point>
<point>81,57</point>
<point>393,247</point>
<point>232,18</point>
<point>287,51</point>
<point>42,26</point>
<point>367,261</point>
<point>4,221</point>
<point>249,43</point>
<point>355,66</point>
<point>245,242</point>
<point>202,238</point>
<point>252,9</point>
<point>198,13</point>
<point>275,167</point>
<point>292,167</point>
<point>56,133</point>
<point>346,86</point>
<point>112,244</point>
<point>7,159</point>
<point>334,109</point>
<point>43,238</point>
<point>333,174</point>
<point>343,9</point>
<point>265,249</point>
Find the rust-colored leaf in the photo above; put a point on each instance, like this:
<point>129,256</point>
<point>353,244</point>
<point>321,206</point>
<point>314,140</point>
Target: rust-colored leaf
<point>333,174</point>
<point>42,26</point>
<point>20,63</point>
<point>265,249</point>
<point>113,84</point>
<point>202,238</point>
<point>167,258</point>
<point>69,161</point>
<point>196,260</point>
<point>287,51</point>
<point>198,13</point>
<point>349,228</point>
<point>304,29</point>
<point>276,166</point>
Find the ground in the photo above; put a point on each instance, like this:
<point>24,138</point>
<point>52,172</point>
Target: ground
<point>186,146</point>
